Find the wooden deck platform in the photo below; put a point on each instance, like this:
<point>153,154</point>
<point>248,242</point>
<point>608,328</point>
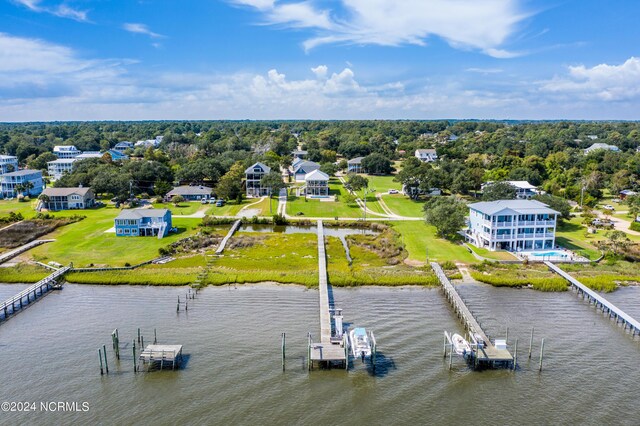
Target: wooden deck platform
<point>161,356</point>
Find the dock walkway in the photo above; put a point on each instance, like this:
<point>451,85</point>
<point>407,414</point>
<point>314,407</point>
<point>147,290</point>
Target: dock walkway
<point>325,350</point>
<point>606,306</point>
<point>15,252</point>
<point>29,295</point>
<point>488,355</point>
<point>225,240</point>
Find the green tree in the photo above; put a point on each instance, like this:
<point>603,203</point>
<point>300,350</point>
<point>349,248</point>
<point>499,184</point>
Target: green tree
<point>556,203</point>
<point>230,185</point>
<point>273,181</point>
<point>377,164</point>
<point>329,168</point>
<point>446,214</point>
<point>177,199</point>
<point>499,191</point>
<point>357,182</point>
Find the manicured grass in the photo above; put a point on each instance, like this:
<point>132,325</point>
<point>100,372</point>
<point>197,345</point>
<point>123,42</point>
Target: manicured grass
<point>27,208</point>
<point>572,235</point>
<point>494,255</point>
<point>232,208</point>
<point>418,237</point>
<point>372,202</point>
<point>186,208</point>
<point>404,206</point>
<point>86,242</point>
<point>316,208</point>
<point>383,183</point>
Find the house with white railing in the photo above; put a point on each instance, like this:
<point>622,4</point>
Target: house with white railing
<point>66,151</point>
<point>514,225</point>
<point>8,164</point>
<point>143,222</point>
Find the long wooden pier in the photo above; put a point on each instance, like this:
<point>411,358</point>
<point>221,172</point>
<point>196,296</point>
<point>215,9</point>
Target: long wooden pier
<point>325,352</point>
<point>32,293</point>
<point>15,252</point>
<point>225,240</point>
<point>600,302</point>
<point>486,355</point>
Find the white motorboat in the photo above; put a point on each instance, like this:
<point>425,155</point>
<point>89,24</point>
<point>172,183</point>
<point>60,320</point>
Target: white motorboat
<point>359,343</point>
<point>460,345</point>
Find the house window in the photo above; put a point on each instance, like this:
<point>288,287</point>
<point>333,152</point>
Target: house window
<point>119,231</point>
<point>126,231</point>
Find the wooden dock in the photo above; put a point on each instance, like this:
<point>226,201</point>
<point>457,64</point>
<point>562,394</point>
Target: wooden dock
<point>225,240</point>
<point>600,302</point>
<point>15,252</point>
<point>161,356</point>
<point>325,352</point>
<point>483,356</point>
<point>32,293</point>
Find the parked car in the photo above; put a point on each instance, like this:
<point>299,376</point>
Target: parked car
<point>203,201</point>
<point>212,200</point>
<point>608,207</point>
<point>616,200</point>
<point>220,203</point>
<point>393,191</point>
<point>602,223</point>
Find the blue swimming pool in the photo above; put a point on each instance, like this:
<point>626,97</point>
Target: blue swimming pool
<point>550,254</point>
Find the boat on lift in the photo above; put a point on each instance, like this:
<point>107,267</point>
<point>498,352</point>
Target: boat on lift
<point>460,345</point>
<point>359,343</point>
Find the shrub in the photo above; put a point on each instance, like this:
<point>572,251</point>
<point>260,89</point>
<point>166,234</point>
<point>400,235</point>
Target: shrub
<point>635,226</point>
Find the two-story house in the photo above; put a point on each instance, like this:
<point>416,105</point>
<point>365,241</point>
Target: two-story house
<point>513,225</point>
<point>355,165</point>
<point>253,176</point>
<point>16,183</point>
<point>426,155</point>
<point>301,169</point>
<point>143,222</point>
<point>57,168</point>
<point>66,151</point>
<point>524,190</point>
<point>316,184</point>
<point>8,164</point>
<point>121,147</point>
<point>67,198</point>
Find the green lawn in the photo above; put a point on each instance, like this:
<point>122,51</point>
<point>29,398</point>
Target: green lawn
<point>26,208</point>
<point>86,242</point>
<point>418,237</point>
<point>494,255</point>
<point>232,208</point>
<point>383,183</point>
<point>572,235</point>
<point>316,208</point>
<point>186,208</point>
<point>404,206</point>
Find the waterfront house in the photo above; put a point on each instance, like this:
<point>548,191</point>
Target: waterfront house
<point>316,184</point>
<point>601,146</point>
<point>301,169</point>
<point>66,151</point>
<point>253,176</point>
<point>143,222</point>
<point>88,154</point>
<point>67,199</point>
<point>191,193</point>
<point>121,147</point>
<point>60,166</point>
<point>11,183</point>
<point>524,190</point>
<point>355,165</point>
<point>117,155</point>
<point>514,225</point>
<point>8,164</point>
<point>426,155</point>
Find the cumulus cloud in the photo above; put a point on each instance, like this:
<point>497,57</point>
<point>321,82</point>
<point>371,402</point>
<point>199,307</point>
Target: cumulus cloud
<point>62,10</point>
<point>464,24</point>
<point>138,28</point>
<point>602,82</point>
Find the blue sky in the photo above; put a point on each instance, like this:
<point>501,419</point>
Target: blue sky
<point>331,59</point>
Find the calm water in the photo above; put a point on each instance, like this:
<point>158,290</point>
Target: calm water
<point>233,374</point>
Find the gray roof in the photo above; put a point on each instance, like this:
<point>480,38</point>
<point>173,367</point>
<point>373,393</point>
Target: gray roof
<point>300,152</point>
<point>264,167</point>
<point>24,172</point>
<point>64,192</point>
<point>356,160</point>
<point>190,190</point>
<point>307,166</point>
<point>141,213</point>
<point>518,206</point>
<point>426,151</point>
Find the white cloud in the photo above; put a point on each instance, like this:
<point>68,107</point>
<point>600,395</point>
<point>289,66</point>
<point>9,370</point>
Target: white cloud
<point>602,82</point>
<point>138,28</point>
<point>320,71</point>
<point>466,24</point>
<point>62,10</point>
<point>484,70</point>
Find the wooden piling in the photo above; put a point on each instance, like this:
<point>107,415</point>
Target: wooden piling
<point>541,355</point>
<point>530,342</point>
<point>283,350</point>
<point>515,355</point>
<point>138,334</point>
<point>155,337</point>
<point>135,368</point>
<point>506,339</point>
<point>450,357</point>
<point>106,363</point>
<point>100,356</point>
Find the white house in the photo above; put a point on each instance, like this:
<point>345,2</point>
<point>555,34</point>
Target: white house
<point>316,183</point>
<point>514,225</point>
<point>598,146</point>
<point>355,165</point>
<point>66,151</point>
<point>10,183</point>
<point>8,164</point>
<point>89,154</point>
<point>254,175</point>
<point>60,166</point>
<point>301,169</point>
<point>524,190</point>
<point>426,155</point>
<point>121,147</point>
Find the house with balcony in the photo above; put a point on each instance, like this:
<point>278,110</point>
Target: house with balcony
<point>89,154</point>
<point>302,168</point>
<point>8,164</point>
<point>121,147</point>
<point>60,166</point>
<point>191,193</point>
<point>253,176</point>
<point>316,184</point>
<point>426,155</point>
<point>143,223</point>
<point>67,199</point>
<point>355,165</point>
<point>524,190</point>
<point>514,225</point>
<point>12,184</point>
<point>66,151</point>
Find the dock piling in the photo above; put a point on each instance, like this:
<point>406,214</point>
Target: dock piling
<point>283,350</point>
<point>106,363</point>
<point>155,337</point>
<point>541,355</point>
<point>135,369</point>
<point>515,355</point>
<point>530,342</point>
<point>100,357</point>
<point>138,334</point>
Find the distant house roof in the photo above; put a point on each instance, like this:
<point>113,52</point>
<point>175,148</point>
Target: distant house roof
<point>64,192</point>
<point>263,167</point>
<point>306,166</point>
<point>89,154</point>
<point>26,172</point>
<point>8,157</point>
<point>600,145</point>
<point>124,144</point>
<point>300,152</point>
<point>65,148</point>
<point>628,192</point>
<point>518,206</point>
<point>425,151</point>
<point>357,160</point>
<point>141,213</point>
<point>63,161</point>
<point>316,175</point>
<point>520,184</point>
<point>115,155</point>
<point>190,190</point>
